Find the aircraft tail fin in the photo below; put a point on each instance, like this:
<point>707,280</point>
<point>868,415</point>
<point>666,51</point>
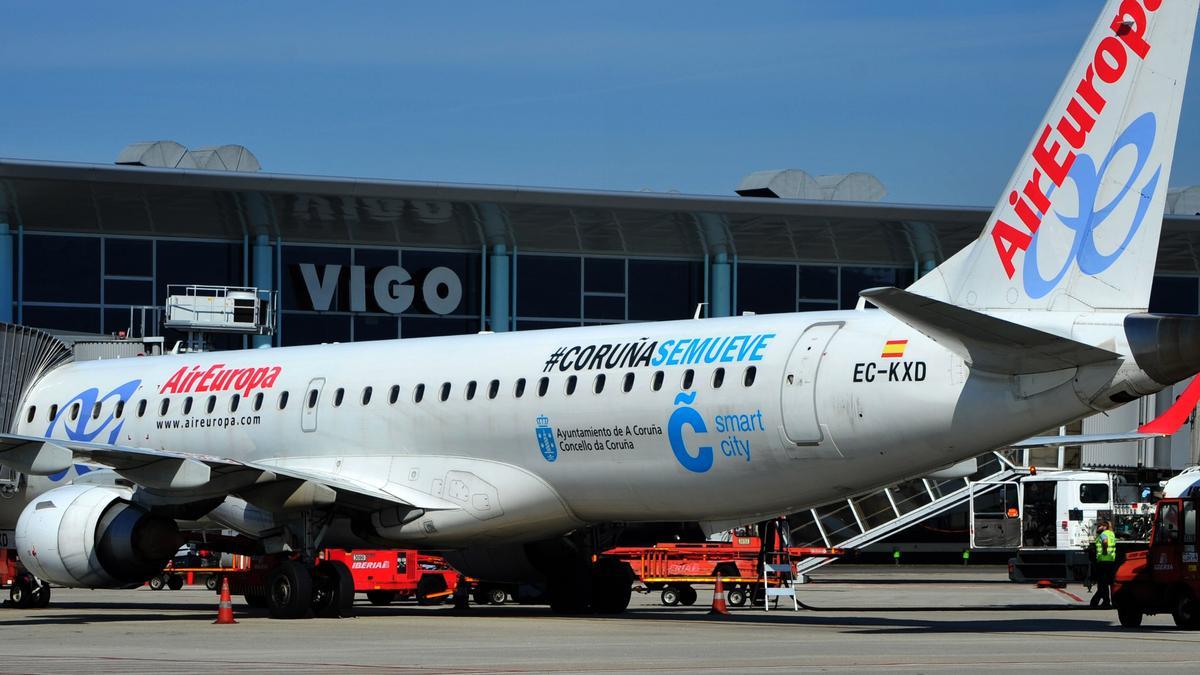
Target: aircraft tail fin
<point>1077,227</point>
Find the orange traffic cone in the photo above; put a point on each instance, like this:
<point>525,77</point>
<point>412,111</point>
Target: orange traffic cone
<point>718,606</point>
<point>225,606</point>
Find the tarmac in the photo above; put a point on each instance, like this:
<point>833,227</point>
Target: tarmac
<point>908,619</point>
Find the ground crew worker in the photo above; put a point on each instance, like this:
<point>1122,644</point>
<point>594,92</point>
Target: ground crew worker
<point>1105,567</point>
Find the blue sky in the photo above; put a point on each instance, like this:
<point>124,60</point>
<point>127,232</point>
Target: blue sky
<point>938,99</point>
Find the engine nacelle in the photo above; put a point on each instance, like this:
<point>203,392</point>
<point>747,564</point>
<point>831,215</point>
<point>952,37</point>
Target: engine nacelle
<point>91,536</point>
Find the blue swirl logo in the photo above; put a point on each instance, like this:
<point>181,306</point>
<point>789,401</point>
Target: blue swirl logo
<point>1087,178</point>
<point>688,416</point>
<point>86,427</point>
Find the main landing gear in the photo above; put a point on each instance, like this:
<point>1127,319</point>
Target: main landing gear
<point>603,587</point>
<point>296,587</point>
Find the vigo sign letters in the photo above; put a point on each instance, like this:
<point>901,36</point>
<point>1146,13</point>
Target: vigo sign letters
<point>392,288</point>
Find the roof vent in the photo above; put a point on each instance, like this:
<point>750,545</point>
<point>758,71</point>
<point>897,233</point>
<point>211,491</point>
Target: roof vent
<point>797,184</point>
<point>1184,201</point>
<point>158,154</point>
<point>171,155</point>
<point>220,158</point>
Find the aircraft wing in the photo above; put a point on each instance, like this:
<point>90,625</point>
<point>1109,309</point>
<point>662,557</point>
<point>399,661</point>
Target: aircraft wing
<point>984,341</point>
<point>183,473</point>
<point>1083,439</point>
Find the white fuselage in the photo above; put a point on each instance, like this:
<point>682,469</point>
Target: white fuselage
<point>827,414</point>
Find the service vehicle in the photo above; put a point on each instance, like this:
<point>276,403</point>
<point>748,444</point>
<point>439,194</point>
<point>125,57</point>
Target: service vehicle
<point>1165,577</point>
<point>1049,519</point>
<point>386,575</point>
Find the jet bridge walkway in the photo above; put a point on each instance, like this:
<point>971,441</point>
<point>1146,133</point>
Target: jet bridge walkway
<point>859,521</point>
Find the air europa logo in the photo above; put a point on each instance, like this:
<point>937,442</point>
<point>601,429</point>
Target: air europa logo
<point>1109,64</point>
<point>219,378</point>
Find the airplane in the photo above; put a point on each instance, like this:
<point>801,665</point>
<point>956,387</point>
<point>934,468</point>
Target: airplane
<point>521,454</point>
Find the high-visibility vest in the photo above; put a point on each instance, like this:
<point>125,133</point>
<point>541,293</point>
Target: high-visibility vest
<point>1106,547</point>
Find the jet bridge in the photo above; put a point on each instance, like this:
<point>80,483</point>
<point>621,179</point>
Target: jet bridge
<point>865,519</point>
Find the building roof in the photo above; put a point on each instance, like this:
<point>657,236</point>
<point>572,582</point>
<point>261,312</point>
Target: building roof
<point>124,200</point>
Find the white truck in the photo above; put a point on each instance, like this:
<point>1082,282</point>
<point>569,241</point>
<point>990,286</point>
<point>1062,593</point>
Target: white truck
<point>1048,519</point>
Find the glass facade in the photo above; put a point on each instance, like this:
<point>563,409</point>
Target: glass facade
<point>344,293</point>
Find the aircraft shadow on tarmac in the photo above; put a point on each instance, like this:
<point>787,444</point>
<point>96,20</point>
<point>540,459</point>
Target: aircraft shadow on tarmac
<point>866,620</point>
<point>852,619</point>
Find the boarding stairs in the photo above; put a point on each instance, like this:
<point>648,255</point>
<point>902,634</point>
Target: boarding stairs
<point>865,519</point>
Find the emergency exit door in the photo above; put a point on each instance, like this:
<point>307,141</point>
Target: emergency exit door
<point>312,397</point>
<point>800,422</point>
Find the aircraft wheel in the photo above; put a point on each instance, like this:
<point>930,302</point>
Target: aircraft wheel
<point>1129,616</point>
<point>736,597</point>
<point>41,597</point>
<point>687,596</point>
<point>381,597</point>
<point>497,595</point>
<point>175,582</point>
<point>290,591</point>
<point>333,590</point>
<point>21,593</point>
<point>670,596</point>
<point>157,582</point>
<point>612,586</point>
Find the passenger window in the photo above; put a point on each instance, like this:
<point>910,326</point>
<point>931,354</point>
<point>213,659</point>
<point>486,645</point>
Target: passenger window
<point>598,385</point>
<point>418,393</point>
<point>338,395</point>
<point>366,396</point>
<point>627,385</point>
<point>283,399</point>
<point>748,378</point>
<point>493,388</point>
<point>258,401</point>
<point>187,405</point>
<point>718,378</point>
<point>471,390</point>
<point>445,391</point>
<point>53,411</point>
<point>212,404</point>
<point>120,409</point>
<point>164,407</point>
<point>688,376</point>
<point>394,394</point>
<point>657,382</point>
<point>543,386</point>
<point>312,398</point>
<point>571,381</point>
<point>96,410</point>
<point>32,412</point>
<point>519,388</point>
<point>141,407</point>
<point>74,411</point>
<point>234,402</point>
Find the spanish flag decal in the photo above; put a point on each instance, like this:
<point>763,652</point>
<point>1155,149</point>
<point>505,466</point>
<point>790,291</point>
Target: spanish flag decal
<point>894,349</point>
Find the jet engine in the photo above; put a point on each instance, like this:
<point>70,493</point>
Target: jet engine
<point>92,536</point>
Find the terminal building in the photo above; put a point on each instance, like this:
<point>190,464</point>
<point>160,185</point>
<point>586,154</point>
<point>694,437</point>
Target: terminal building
<point>93,248</point>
